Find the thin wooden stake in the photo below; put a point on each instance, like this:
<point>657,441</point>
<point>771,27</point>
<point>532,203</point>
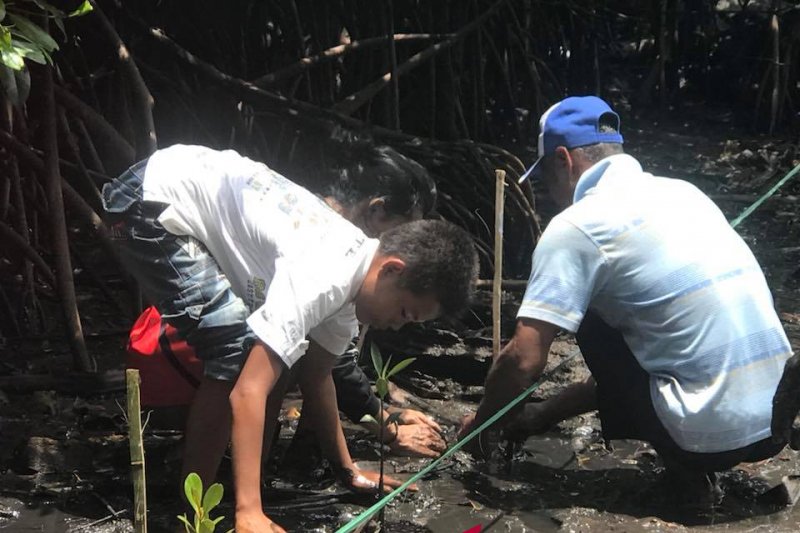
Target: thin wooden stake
<point>137,452</point>
<point>776,70</point>
<point>499,194</point>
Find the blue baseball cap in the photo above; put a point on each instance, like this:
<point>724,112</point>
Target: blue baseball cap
<point>574,122</point>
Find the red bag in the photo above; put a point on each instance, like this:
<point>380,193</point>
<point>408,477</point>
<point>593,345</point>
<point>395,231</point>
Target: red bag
<point>169,369</point>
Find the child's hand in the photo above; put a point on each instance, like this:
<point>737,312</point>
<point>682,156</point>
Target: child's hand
<point>256,522</point>
<point>359,480</point>
<point>417,440</point>
<point>412,417</point>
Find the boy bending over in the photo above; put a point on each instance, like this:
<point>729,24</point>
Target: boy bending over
<point>246,265</point>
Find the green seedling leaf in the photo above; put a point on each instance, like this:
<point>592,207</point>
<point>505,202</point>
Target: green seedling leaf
<point>189,527</point>
<point>400,366</point>
<point>368,418</point>
<point>212,498</point>
<point>393,418</point>
<point>2,10</point>
<point>82,9</point>
<point>207,525</point>
<point>382,386</point>
<point>386,366</point>
<point>193,487</point>
<point>33,33</point>
<point>377,360</point>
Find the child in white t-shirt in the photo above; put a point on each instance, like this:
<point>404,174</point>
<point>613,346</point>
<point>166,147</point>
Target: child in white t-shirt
<point>246,265</point>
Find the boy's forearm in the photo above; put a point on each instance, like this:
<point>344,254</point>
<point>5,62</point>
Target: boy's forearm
<point>248,403</point>
<point>319,400</point>
<point>320,396</point>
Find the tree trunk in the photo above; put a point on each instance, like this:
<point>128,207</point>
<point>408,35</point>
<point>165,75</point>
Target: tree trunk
<point>58,225</point>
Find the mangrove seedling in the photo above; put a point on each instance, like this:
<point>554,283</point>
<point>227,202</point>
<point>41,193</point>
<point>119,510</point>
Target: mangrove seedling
<point>202,504</point>
<point>383,373</point>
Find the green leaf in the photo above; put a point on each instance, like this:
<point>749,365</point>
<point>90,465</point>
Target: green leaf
<point>386,367</point>
<point>189,527</point>
<point>212,498</point>
<point>2,10</point>
<point>82,9</point>
<point>382,386</point>
<point>193,487</point>
<point>5,36</point>
<point>11,58</point>
<point>208,525</point>
<point>400,366</point>
<point>367,418</point>
<point>31,51</point>
<point>33,33</point>
<point>377,360</point>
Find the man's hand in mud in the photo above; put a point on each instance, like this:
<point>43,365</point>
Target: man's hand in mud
<point>479,446</point>
<point>359,480</point>
<point>256,522</point>
<point>531,421</point>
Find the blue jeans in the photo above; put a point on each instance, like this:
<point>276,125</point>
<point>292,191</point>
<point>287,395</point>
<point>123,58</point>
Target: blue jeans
<point>180,276</point>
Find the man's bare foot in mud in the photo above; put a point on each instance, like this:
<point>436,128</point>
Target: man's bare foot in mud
<point>786,404</point>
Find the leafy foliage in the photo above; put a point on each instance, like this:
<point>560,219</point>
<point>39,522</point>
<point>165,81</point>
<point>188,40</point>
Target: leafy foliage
<point>202,504</point>
<point>23,39</point>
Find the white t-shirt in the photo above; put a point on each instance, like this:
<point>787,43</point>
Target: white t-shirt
<point>656,259</point>
<point>296,263</point>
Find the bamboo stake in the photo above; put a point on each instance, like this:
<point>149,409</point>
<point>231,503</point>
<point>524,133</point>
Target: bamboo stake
<point>499,193</point>
<point>776,71</point>
<point>508,284</point>
<point>132,381</point>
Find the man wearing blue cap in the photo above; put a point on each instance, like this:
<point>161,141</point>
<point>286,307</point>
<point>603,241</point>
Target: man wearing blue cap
<point>668,304</point>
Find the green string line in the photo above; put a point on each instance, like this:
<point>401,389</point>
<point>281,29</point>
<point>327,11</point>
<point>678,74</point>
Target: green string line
<point>366,515</point>
<point>746,213</point>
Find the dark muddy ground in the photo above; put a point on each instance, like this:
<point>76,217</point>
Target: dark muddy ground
<point>64,458</point>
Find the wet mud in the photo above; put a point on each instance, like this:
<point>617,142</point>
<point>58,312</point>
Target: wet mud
<point>64,457</point>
